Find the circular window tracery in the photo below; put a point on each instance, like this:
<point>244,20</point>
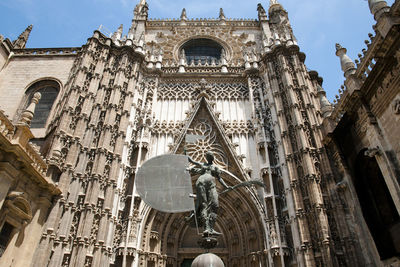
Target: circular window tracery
<point>202,50</point>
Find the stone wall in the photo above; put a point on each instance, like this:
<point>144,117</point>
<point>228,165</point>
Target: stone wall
<point>23,71</point>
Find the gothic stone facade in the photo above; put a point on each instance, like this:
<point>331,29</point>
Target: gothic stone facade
<point>119,100</point>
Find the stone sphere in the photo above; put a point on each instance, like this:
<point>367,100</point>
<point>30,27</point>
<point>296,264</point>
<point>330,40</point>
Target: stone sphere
<point>208,260</point>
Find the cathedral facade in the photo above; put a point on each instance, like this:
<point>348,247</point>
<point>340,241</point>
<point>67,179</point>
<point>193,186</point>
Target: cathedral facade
<point>77,124</point>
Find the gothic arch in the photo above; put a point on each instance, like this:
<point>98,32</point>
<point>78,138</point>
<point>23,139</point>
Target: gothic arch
<point>59,83</point>
<point>50,89</point>
<point>228,49</point>
<point>239,221</point>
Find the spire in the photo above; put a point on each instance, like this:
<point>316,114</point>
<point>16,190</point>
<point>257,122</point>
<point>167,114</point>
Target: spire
<point>118,33</point>
<point>20,43</point>
<point>221,14</point>
<point>346,63</point>
<point>141,10</point>
<point>183,14</point>
<point>378,7</point>
<point>140,14</point>
<point>262,14</point>
<point>277,13</point>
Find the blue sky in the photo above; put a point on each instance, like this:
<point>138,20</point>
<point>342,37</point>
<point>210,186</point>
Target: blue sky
<point>317,24</point>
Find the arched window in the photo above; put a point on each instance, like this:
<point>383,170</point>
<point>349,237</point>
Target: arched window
<point>202,50</point>
<point>49,91</point>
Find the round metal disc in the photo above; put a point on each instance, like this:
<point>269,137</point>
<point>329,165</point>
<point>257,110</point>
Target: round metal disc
<point>164,183</point>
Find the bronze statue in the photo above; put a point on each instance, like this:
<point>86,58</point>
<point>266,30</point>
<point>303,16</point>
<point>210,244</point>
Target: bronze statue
<point>206,192</point>
<point>164,184</point>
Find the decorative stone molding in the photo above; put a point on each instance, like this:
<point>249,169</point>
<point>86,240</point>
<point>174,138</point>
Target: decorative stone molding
<point>373,152</point>
<point>396,106</point>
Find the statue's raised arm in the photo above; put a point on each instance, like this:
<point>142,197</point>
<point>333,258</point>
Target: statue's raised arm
<point>190,159</point>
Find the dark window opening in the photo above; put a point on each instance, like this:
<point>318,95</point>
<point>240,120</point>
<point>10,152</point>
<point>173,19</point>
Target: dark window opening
<point>44,106</point>
<point>5,236</point>
<point>377,206</point>
<point>187,262</point>
<point>202,50</point>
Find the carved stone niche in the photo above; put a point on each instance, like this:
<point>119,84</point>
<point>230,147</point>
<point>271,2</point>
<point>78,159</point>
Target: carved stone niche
<point>17,210</point>
<point>14,217</point>
<point>154,235</point>
<point>154,241</point>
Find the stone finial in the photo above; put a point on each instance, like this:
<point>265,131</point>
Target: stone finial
<point>182,54</point>
<point>346,63</point>
<point>183,14</point>
<point>204,89</point>
<point>22,39</point>
<point>27,114</point>
<point>262,14</point>
<point>203,83</point>
<point>1,38</point>
<point>118,33</point>
<point>378,7</point>
<point>273,3</point>
<point>221,14</point>
<point>277,13</point>
<point>224,61</point>
<point>326,106</point>
<point>261,10</point>
<point>120,29</point>
<point>141,10</point>
<point>182,61</point>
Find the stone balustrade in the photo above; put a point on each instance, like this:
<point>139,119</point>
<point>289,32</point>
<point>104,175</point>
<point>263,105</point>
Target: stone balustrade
<point>47,51</point>
<point>7,129</point>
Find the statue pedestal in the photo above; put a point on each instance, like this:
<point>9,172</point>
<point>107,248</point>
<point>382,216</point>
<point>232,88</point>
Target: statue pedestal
<point>208,242</point>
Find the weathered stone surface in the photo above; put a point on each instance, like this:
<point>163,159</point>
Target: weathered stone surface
<point>125,99</point>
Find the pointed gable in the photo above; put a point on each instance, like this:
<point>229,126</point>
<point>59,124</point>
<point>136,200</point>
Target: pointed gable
<point>203,122</point>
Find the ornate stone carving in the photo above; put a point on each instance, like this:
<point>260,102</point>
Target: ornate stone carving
<point>372,152</point>
<point>198,149</point>
<point>185,91</point>
<point>396,106</point>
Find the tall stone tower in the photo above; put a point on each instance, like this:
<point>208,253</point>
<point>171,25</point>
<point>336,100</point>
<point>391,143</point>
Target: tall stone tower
<point>119,100</point>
